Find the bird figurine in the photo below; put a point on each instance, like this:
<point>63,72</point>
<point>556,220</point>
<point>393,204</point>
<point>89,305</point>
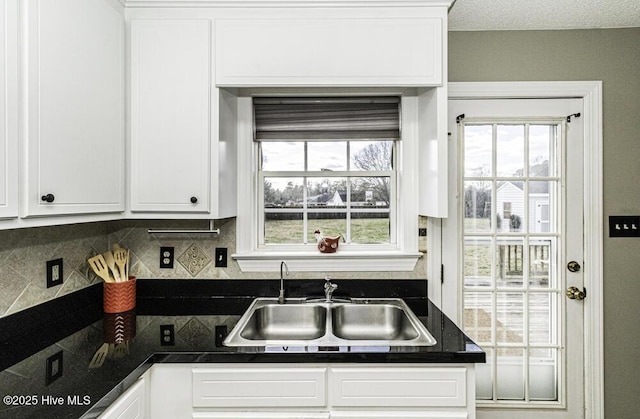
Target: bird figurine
<point>327,244</point>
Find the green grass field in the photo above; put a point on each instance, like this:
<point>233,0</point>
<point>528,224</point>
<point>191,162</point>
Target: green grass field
<point>363,230</point>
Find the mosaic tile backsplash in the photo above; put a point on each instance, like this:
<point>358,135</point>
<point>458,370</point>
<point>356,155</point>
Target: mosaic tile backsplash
<point>24,253</point>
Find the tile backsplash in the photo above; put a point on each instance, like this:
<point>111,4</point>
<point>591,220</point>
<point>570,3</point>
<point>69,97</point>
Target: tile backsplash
<point>23,257</point>
<point>24,253</point>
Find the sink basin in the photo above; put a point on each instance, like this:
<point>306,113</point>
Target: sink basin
<point>372,322</point>
<point>358,322</point>
<point>286,321</point>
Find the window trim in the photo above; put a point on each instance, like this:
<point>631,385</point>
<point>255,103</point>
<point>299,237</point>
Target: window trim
<point>403,256</point>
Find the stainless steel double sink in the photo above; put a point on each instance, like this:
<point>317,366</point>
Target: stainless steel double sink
<point>358,322</point>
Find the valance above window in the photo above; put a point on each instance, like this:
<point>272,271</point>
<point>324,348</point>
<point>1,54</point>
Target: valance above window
<point>326,118</point>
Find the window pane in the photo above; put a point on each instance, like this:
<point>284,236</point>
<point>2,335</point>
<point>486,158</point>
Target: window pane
<point>370,192</point>
<point>370,227</point>
<point>540,141</point>
<point>283,202</point>
<point>283,227</point>
<point>327,193</point>
<point>478,146</point>
<point>281,192</point>
<point>282,156</point>
<point>477,317</point>
<point>539,263</point>
<point>371,155</point>
<point>509,317</point>
<point>542,326</point>
<point>510,374</point>
<point>484,377</point>
<point>477,206</point>
<point>477,262</point>
<point>540,216</point>
<point>329,224</point>
<point>509,262</point>
<point>510,206</point>
<point>331,155</point>
<point>543,367</point>
<point>510,150</point>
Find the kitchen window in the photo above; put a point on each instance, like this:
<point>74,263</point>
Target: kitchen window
<point>329,164</point>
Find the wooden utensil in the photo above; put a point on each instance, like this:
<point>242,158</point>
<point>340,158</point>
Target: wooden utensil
<point>100,267</point>
<point>99,356</point>
<point>111,263</point>
<point>120,256</point>
<point>121,349</point>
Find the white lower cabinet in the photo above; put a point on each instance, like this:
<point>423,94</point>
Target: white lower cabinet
<point>132,404</point>
<point>336,391</point>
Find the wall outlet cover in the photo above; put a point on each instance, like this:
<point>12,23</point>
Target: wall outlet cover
<point>166,257</point>
<point>167,335</point>
<point>53,367</point>
<point>54,272</point>
<point>221,334</point>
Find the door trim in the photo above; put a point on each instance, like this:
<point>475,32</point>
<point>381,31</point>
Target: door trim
<point>591,93</point>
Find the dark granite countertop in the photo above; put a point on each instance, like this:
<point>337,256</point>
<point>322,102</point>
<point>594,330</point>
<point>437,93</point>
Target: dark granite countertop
<point>80,391</point>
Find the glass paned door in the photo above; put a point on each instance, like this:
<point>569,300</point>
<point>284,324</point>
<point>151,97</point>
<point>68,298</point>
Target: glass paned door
<point>509,283</point>
<point>519,222</point>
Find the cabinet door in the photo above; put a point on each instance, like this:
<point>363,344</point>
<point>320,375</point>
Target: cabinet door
<point>340,51</point>
<point>75,107</point>
<point>9,109</point>
<point>398,387</point>
<point>248,387</point>
<point>170,115</point>
<point>131,405</point>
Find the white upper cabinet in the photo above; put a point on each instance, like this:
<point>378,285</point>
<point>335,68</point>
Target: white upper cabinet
<point>9,109</point>
<point>329,51</point>
<point>73,127</point>
<point>183,129</point>
<point>170,115</point>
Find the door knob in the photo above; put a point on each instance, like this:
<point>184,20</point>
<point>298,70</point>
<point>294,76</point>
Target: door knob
<point>573,266</point>
<point>574,293</point>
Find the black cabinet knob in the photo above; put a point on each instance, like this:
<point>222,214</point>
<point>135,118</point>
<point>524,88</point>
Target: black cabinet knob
<point>194,199</point>
<point>48,198</point>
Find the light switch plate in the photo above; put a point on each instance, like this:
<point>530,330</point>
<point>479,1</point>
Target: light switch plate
<point>624,226</point>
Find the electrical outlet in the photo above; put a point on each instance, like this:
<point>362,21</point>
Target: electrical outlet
<point>221,257</point>
<point>166,257</point>
<point>54,272</point>
<point>422,232</point>
<point>221,334</point>
<point>167,335</point>
<point>53,369</point>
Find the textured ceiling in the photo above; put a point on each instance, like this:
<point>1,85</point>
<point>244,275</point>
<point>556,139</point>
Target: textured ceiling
<point>478,15</point>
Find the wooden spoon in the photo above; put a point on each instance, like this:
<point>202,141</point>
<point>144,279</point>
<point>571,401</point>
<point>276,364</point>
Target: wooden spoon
<point>108,257</point>
<point>100,267</point>
<point>120,255</point>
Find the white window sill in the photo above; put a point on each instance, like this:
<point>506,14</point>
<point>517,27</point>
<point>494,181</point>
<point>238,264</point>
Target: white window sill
<point>313,261</point>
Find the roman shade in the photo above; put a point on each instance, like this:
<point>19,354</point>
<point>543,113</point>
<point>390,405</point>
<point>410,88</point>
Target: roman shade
<point>326,118</point>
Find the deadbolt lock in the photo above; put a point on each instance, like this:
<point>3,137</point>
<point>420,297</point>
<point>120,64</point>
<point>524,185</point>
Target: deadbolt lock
<point>576,294</point>
<point>573,266</point>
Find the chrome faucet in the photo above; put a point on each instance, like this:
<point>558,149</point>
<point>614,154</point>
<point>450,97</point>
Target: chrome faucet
<point>329,288</point>
<point>284,270</point>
